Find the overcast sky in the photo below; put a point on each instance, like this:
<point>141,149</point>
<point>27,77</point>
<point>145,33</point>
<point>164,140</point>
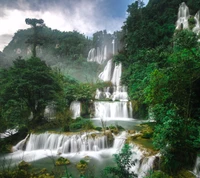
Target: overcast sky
<point>85,16</point>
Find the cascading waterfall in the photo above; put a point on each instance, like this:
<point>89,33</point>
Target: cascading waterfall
<point>120,109</point>
<point>116,92</point>
<point>50,112</point>
<point>117,74</point>
<point>196,29</point>
<point>183,16</point>
<point>106,75</point>
<point>93,144</point>
<point>66,143</point>
<point>97,55</point>
<point>113,110</point>
<point>75,108</point>
<point>196,170</point>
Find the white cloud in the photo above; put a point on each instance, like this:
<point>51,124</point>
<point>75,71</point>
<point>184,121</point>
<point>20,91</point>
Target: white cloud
<point>85,17</point>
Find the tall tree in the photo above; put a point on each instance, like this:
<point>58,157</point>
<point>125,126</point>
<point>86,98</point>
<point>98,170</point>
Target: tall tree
<point>36,24</point>
<point>30,84</point>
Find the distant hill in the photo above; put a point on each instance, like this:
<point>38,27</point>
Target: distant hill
<point>56,46</point>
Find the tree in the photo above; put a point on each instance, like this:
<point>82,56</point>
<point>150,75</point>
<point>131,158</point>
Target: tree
<point>31,85</point>
<point>173,95</point>
<point>36,24</point>
<point>123,162</point>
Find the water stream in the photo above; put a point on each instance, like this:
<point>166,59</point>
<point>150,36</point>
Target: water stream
<point>93,146</point>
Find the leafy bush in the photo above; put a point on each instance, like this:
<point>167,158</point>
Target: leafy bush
<point>98,128</point>
<point>81,124</point>
<point>157,174</point>
<point>123,162</point>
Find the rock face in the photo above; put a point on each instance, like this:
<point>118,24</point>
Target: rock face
<point>110,138</point>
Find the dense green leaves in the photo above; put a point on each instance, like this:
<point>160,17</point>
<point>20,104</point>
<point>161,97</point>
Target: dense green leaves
<point>29,85</point>
<point>123,166</point>
<point>162,72</point>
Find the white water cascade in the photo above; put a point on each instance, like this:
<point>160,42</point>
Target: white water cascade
<point>196,29</point>
<point>183,16</point>
<point>113,110</point>
<point>106,75</point>
<point>97,55</point>
<point>112,73</point>
<point>196,170</point>
<point>75,108</point>
<point>66,143</point>
<point>93,145</point>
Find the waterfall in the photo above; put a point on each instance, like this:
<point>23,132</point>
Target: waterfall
<point>75,107</point>
<point>196,29</point>
<point>20,145</point>
<point>113,42</point>
<point>117,74</point>
<point>66,143</point>
<point>196,170</point>
<point>113,110</point>
<point>116,92</point>
<point>120,93</point>
<point>79,146</point>
<point>106,75</point>
<point>50,112</point>
<point>120,140</point>
<point>183,16</point>
<point>97,55</point>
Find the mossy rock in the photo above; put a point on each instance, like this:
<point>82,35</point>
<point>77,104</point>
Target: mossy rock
<point>24,165</point>
<point>110,137</point>
<point>131,131</point>
<point>136,136</point>
<point>62,161</point>
<point>147,132</point>
<point>185,174</point>
<point>82,166</point>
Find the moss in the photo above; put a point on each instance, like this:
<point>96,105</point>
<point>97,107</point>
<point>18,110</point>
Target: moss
<point>157,174</point>
<point>24,165</point>
<point>98,128</point>
<point>82,166</point>
<point>147,130</point>
<point>184,174</point>
<point>62,161</point>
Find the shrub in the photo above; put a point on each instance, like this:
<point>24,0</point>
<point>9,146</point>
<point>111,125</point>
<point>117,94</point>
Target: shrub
<point>81,124</point>
<point>123,162</point>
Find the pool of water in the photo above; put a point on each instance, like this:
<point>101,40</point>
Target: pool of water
<point>126,123</point>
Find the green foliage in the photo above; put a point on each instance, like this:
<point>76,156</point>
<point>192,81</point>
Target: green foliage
<point>83,92</point>
<point>162,74</point>
<point>185,39</point>
<point>172,99</point>
<point>34,39</point>
<point>98,128</point>
<point>157,174</point>
<point>123,162</point>
<point>24,170</point>
<point>53,46</point>
<point>29,86</point>
<point>80,123</point>
<point>191,22</point>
